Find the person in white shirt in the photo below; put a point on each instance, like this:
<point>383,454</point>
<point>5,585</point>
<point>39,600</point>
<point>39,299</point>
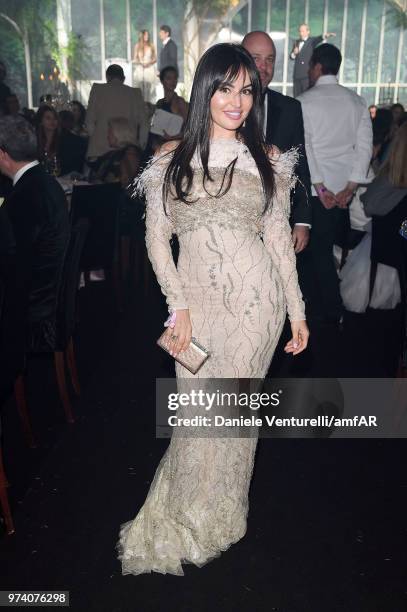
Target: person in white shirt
<point>338,142</point>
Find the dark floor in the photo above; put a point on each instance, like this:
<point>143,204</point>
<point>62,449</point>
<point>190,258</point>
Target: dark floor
<point>327,522</point>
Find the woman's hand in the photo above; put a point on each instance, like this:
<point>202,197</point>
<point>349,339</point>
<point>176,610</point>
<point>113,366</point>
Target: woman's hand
<point>299,341</point>
<point>179,337</point>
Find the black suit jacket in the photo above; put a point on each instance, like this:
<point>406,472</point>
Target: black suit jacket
<point>302,60</point>
<point>168,55</point>
<point>34,219</point>
<point>285,129</point>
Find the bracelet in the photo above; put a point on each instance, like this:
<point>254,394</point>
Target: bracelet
<point>170,322</point>
<point>321,190</point>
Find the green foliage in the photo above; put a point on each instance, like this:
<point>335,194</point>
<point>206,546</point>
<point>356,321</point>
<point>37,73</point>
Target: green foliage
<point>397,14</point>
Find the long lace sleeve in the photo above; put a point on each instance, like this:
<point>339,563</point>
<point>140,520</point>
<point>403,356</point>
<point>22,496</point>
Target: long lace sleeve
<point>159,230</point>
<point>277,234</point>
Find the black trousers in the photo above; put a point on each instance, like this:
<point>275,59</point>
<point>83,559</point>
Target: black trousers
<point>316,268</point>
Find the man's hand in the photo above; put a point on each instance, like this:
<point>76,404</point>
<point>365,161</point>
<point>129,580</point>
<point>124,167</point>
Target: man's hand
<point>300,236</point>
<point>329,34</point>
<point>327,198</point>
<point>345,196</point>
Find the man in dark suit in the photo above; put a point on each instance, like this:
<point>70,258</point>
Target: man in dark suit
<point>283,128</point>
<point>301,53</point>
<point>34,219</point>
<point>168,53</point>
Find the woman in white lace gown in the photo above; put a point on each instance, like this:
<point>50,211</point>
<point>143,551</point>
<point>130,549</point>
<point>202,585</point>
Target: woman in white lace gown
<point>226,197</point>
<point>144,61</point>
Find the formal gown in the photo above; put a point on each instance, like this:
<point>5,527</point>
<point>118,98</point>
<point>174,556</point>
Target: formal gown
<point>237,275</point>
<point>144,76</point>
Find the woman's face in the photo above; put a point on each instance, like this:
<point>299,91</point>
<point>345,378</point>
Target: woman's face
<point>76,111</point>
<point>49,122</point>
<point>146,37</point>
<point>230,105</point>
<point>170,81</point>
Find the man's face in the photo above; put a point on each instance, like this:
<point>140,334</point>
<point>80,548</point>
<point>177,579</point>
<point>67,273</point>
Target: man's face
<point>163,35</point>
<point>5,167</point>
<point>262,49</point>
<point>303,31</point>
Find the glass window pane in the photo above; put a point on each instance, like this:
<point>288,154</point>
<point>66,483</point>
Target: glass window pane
<point>368,93</point>
<point>386,95</point>
<point>86,24</point>
<point>372,41</point>
<point>403,67</point>
<point>278,12</point>
<point>353,32</point>
<point>239,23</point>
<point>259,15</point>
<point>402,96</point>
<point>316,16</point>
<point>297,16</point>
<point>279,41</point>
<point>335,21</point>
<point>115,28</point>
<point>390,48</point>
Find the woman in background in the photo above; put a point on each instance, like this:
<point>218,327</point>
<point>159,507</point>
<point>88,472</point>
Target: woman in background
<point>144,60</point>
<point>59,151</point>
<point>171,102</point>
<point>79,113</point>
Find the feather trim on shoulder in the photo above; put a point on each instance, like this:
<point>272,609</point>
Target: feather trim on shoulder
<point>284,165</point>
<point>151,175</point>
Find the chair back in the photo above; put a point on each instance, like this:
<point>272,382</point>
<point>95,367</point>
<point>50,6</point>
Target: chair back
<point>66,308</point>
<point>100,205</point>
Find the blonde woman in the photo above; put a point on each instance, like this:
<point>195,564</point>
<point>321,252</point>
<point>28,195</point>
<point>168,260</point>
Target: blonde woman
<point>144,60</point>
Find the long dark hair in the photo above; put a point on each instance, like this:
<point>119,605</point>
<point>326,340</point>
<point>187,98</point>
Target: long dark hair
<point>219,64</point>
<point>42,141</point>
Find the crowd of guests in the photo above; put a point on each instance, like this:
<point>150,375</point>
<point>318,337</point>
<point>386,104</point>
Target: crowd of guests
<point>341,151</point>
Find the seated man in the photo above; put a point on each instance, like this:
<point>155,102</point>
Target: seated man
<point>34,223</point>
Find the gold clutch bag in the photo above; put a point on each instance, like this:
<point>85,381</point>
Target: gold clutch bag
<point>192,359</point>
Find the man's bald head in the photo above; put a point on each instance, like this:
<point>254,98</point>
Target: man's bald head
<point>263,51</point>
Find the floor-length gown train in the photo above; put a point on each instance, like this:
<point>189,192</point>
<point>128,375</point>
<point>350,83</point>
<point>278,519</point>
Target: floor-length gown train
<point>237,275</point>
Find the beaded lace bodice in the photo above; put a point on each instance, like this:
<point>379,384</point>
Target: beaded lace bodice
<point>239,210</point>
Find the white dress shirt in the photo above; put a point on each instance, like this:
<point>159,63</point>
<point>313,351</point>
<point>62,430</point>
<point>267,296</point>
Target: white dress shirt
<point>300,46</point>
<point>22,171</point>
<point>338,134</point>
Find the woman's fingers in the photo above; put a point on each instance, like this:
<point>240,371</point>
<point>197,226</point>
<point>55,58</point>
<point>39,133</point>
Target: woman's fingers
<point>177,340</point>
<point>299,340</point>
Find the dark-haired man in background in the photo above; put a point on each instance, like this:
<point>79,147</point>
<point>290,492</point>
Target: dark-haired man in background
<point>168,53</point>
<point>338,141</point>
<point>108,101</point>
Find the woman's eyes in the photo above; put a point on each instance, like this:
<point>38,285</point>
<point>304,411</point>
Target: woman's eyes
<point>246,92</point>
